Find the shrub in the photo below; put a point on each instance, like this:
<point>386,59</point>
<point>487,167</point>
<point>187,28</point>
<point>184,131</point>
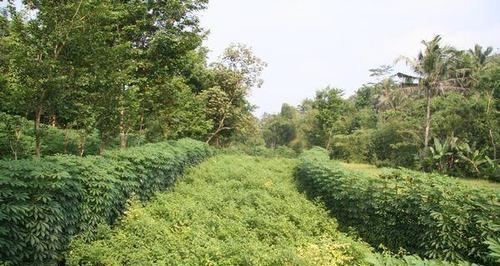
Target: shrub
<point>43,203</point>
<point>426,214</point>
<point>394,144</point>
<point>354,147</point>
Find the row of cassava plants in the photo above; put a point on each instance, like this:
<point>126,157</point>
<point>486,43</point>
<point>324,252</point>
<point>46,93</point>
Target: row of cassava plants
<point>426,214</point>
<point>230,210</point>
<point>43,203</point>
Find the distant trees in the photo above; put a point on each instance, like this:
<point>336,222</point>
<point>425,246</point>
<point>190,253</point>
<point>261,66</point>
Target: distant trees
<point>447,121</point>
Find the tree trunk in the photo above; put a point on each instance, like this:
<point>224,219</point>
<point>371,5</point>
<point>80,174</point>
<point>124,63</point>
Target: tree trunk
<point>38,141</point>
<point>102,146</point>
<point>493,145</point>
<point>53,120</point>
<point>427,125</point>
<point>220,128</point>
<point>329,140</point>
<point>123,133</point>
<point>15,146</point>
<point>492,139</point>
<point>81,145</point>
<point>141,123</point>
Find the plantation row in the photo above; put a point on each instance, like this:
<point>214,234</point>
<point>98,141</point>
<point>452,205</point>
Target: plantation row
<point>44,203</point>
<point>230,210</point>
<point>426,214</point>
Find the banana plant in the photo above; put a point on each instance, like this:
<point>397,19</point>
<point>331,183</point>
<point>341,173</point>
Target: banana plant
<point>442,153</point>
<point>472,157</point>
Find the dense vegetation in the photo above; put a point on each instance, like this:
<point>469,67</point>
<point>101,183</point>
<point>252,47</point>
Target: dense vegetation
<point>445,118</point>
<point>427,214</point>
<point>231,210</point>
<point>106,70</point>
<point>103,104</point>
<point>43,203</point>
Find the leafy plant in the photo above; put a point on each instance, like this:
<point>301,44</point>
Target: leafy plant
<point>426,214</point>
<point>44,203</point>
<point>230,210</point>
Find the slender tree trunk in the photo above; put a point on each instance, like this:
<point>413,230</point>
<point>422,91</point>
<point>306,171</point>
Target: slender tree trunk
<point>141,123</point>
<point>53,120</point>
<point>15,146</point>
<point>123,133</point>
<point>427,125</point>
<point>220,128</point>
<point>329,140</point>
<point>102,146</point>
<point>81,145</point>
<point>490,131</point>
<point>38,141</point>
<point>493,145</point>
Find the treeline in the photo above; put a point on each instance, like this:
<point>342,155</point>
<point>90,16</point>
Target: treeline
<point>443,118</point>
<point>107,70</point>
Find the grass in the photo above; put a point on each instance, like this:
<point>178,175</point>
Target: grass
<point>372,170</point>
<point>230,210</point>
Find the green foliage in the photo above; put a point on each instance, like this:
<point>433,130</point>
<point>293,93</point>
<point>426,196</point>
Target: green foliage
<point>17,139</point>
<point>395,143</point>
<point>355,147</point>
<point>261,150</point>
<point>427,214</point>
<point>231,210</point>
<point>45,202</point>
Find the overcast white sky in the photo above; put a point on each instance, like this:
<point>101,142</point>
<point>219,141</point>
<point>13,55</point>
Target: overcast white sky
<point>310,44</point>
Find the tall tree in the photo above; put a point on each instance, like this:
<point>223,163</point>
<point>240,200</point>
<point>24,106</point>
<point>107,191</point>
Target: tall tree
<point>434,65</point>
<point>233,76</point>
<point>330,106</point>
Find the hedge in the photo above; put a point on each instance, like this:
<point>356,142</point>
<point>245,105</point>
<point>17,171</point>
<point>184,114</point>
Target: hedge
<point>426,214</point>
<point>43,203</point>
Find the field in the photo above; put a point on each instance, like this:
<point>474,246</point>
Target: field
<point>231,210</point>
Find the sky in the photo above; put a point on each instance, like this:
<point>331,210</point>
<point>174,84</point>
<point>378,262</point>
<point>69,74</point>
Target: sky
<point>310,44</point>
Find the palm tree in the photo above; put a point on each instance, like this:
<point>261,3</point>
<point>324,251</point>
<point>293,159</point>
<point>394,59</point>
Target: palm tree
<point>434,65</point>
<point>480,60</point>
<point>480,56</point>
<point>391,97</point>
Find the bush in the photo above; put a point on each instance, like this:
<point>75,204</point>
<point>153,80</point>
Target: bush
<point>43,203</point>
<point>394,144</point>
<point>354,147</point>
<point>426,214</point>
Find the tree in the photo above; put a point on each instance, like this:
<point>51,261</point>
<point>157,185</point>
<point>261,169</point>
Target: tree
<point>330,106</point>
<point>280,129</point>
<point>434,65</point>
<point>233,76</point>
